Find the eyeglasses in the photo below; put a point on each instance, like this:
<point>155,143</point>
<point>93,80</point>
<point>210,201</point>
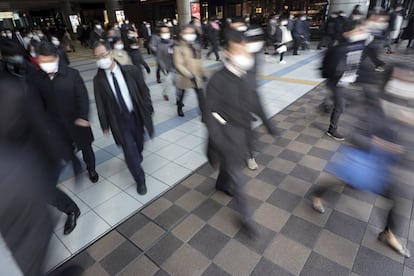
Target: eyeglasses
<point>103,56</point>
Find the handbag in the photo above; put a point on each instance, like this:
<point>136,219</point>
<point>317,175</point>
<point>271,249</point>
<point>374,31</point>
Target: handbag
<point>281,49</point>
<point>362,169</point>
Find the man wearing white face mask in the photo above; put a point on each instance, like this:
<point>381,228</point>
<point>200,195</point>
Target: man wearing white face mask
<point>187,61</point>
<point>124,107</point>
<point>229,121</point>
<point>60,50</point>
<point>164,54</point>
<point>120,54</point>
<point>65,100</point>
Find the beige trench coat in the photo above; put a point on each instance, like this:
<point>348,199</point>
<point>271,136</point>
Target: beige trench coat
<point>187,66</point>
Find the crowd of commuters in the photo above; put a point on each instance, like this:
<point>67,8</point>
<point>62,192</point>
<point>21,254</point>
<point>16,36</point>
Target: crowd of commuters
<point>45,105</point>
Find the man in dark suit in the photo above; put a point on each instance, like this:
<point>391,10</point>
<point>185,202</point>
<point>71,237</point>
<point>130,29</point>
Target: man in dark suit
<point>63,98</point>
<point>146,33</point>
<point>66,100</point>
<point>124,106</point>
<point>229,104</point>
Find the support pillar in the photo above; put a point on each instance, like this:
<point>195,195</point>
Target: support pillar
<point>67,10</point>
<point>111,7</point>
<point>184,12</point>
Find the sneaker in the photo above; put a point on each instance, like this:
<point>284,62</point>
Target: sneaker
<point>379,69</point>
<point>251,164</point>
<point>282,62</point>
<point>335,135</point>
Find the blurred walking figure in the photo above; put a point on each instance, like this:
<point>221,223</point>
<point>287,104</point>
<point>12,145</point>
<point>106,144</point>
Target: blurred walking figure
<point>146,33</point>
<point>121,56</point>
<point>408,33</point>
<point>301,34</point>
<point>372,167</point>
<point>60,50</point>
<point>188,65</point>
<point>124,106</point>
<point>64,98</point>
<point>228,120</point>
<point>164,54</point>
<point>213,35</point>
<point>282,37</point>
<point>255,42</point>
<point>135,55</point>
<point>340,67</point>
<point>377,26</point>
<point>396,20</point>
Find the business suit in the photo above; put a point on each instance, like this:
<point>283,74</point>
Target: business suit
<point>66,99</point>
<point>228,95</point>
<point>127,127</point>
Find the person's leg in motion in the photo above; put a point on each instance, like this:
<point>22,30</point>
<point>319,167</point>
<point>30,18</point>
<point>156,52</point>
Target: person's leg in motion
<point>338,108</point>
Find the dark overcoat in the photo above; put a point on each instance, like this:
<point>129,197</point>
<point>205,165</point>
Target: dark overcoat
<point>107,105</point>
<point>65,99</point>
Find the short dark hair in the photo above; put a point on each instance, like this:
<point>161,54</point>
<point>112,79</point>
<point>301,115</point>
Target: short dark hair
<point>102,43</point>
<point>47,49</point>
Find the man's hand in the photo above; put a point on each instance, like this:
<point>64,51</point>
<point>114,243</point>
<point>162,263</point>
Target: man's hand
<point>148,70</point>
<point>106,132</point>
<point>204,78</point>
<point>82,123</point>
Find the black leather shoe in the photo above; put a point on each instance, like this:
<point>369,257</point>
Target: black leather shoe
<point>180,111</point>
<point>93,176</point>
<point>71,222</point>
<point>141,189</point>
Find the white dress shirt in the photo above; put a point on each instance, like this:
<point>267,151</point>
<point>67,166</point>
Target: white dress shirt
<point>122,85</point>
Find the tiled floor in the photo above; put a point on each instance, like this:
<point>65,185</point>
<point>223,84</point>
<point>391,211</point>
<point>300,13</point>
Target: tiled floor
<point>177,150</point>
<point>191,229</point>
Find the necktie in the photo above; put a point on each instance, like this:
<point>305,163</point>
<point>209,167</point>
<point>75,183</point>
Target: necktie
<point>122,105</point>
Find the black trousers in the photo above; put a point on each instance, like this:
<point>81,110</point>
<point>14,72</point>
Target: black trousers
<point>338,102</point>
<point>57,197</point>
<point>372,54</point>
<point>158,72</point>
<point>88,157</point>
<point>214,48</point>
<point>132,131</point>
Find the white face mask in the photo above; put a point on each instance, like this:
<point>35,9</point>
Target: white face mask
<point>56,42</point>
<point>134,47</point>
<point>49,67</point>
<point>104,63</point>
<point>242,62</point>
<point>33,54</point>
<point>165,36</point>
<point>254,47</point>
<point>189,37</point>
<point>98,27</point>
<point>119,46</point>
<point>30,35</point>
<point>9,35</point>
